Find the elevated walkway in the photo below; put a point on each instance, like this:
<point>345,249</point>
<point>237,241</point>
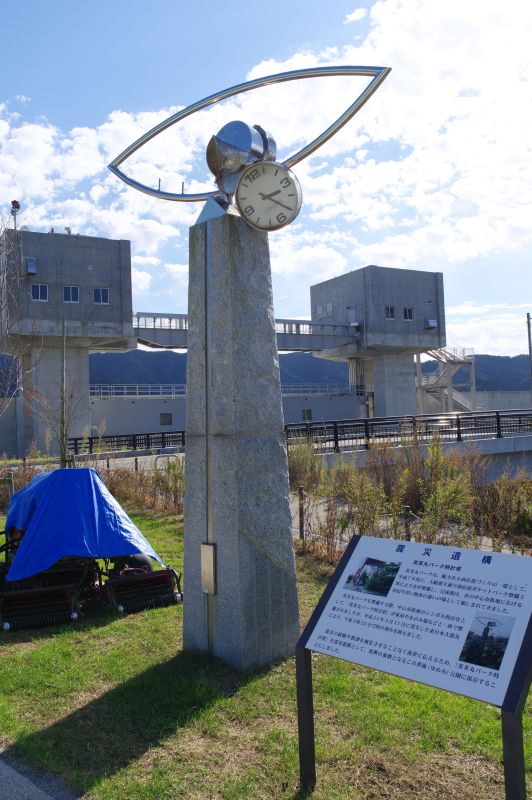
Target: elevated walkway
<point>170,331</point>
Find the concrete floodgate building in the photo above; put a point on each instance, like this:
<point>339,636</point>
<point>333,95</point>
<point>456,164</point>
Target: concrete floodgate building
<point>71,295</point>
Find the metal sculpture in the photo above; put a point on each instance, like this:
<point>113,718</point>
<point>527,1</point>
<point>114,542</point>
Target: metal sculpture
<point>256,145</point>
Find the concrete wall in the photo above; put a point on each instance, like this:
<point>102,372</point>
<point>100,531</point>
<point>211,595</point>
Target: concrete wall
<point>501,401</point>
<point>136,415</point>
<point>484,401</point>
<point>39,404</point>
<point>142,415</point>
<point>394,387</point>
<point>362,297</point>
<point>8,429</point>
<point>85,262</point>
<point>321,408</point>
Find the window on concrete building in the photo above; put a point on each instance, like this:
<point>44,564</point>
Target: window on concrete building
<point>39,291</point>
<point>70,294</point>
<point>389,312</point>
<point>408,312</point>
<point>101,296</point>
<point>307,415</point>
<point>165,418</point>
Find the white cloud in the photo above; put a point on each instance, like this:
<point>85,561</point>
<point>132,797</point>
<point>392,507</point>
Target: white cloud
<point>148,261</point>
<point>179,272</point>
<point>290,257</point>
<point>497,332</point>
<point>141,280</point>
<point>434,172</point>
<point>22,98</point>
<point>355,16</point>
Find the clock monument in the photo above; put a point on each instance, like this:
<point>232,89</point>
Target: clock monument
<point>240,599</point>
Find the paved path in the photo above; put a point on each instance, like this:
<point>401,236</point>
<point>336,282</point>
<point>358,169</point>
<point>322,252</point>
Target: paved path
<point>20,783</point>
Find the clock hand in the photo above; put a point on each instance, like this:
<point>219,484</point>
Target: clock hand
<point>269,196</point>
<point>277,202</point>
<point>288,208</point>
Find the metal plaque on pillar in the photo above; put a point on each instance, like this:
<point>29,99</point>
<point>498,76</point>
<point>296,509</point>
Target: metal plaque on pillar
<point>240,599</point>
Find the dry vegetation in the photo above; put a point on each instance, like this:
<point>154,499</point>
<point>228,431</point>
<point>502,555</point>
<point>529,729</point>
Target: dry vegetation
<point>409,491</point>
<point>158,488</point>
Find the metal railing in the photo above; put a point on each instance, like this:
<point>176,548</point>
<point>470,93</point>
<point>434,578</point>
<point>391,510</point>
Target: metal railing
<point>143,319</point>
<point>126,441</point>
<point>316,389</point>
<point>307,328</point>
<point>337,435</point>
<point>105,391</point>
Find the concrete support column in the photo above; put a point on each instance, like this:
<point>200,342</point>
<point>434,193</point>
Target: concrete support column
<point>41,393</point>
<point>420,399</point>
<point>236,495</point>
<point>394,384</point>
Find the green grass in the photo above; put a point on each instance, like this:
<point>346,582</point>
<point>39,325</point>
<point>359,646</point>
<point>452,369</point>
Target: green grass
<point>120,712</point>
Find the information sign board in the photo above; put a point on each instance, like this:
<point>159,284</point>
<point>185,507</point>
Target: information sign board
<point>449,617</point>
<point>444,616</point>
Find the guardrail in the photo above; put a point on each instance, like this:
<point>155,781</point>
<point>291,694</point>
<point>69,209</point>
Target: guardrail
<point>126,441</point>
<point>144,319</point>
<point>336,435</point>
<point>306,328</point>
<point>105,391</point>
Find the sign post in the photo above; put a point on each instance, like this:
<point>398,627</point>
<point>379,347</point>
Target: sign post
<point>455,619</point>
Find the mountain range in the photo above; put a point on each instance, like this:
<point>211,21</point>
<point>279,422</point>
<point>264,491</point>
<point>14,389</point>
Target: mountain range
<point>506,373</point>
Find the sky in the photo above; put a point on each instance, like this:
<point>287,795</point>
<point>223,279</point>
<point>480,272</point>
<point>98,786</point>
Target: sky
<point>433,173</point>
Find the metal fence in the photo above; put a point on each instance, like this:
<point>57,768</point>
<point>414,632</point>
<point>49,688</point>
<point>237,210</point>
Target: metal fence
<point>106,391</point>
<point>126,441</point>
<point>337,435</point>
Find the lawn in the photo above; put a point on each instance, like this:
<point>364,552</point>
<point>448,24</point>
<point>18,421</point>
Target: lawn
<point>116,709</point>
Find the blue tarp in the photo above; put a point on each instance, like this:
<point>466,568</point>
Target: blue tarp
<point>69,512</point>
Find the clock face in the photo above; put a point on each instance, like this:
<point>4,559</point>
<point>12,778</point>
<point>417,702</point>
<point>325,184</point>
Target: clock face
<point>268,195</point>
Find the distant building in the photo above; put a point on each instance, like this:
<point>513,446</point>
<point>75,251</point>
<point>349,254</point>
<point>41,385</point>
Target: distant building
<point>79,285</point>
<point>394,314</point>
<point>77,290</point>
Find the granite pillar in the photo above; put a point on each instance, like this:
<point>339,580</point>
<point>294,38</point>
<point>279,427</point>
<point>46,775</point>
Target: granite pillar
<point>236,493</point>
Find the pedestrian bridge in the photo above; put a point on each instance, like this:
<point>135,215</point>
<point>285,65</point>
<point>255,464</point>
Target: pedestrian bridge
<point>170,331</point>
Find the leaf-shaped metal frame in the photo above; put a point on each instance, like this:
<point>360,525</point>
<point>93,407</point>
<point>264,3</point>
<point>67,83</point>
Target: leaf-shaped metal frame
<point>378,74</point>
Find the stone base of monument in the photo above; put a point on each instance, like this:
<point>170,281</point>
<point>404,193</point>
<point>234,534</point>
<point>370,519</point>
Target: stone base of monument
<point>236,487</point>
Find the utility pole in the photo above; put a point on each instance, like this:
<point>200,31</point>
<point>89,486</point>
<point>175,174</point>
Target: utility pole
<point>62,410</point>
<point>529,354</point>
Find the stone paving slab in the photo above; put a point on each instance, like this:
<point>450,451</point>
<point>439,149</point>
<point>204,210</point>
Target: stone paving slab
<point>21,783</point>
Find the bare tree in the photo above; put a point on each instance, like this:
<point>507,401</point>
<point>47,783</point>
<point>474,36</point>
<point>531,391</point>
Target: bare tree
<point>60,413</point>
<point>15,350</point>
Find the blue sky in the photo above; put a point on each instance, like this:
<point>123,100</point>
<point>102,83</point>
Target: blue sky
<point>435,172</point>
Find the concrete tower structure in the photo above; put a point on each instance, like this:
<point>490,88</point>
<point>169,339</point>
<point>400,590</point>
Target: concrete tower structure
<point>394,314</point>
<point>71,288</point>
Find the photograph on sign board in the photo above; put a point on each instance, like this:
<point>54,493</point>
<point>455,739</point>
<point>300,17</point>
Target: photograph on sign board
<point>373,577</point>
<point>486,641</point>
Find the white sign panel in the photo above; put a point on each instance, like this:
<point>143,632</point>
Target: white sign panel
<point>448,617</point>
